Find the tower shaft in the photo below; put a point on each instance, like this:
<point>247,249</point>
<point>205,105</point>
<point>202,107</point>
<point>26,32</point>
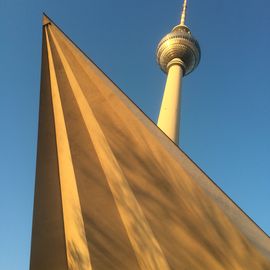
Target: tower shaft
<point>168,120</point>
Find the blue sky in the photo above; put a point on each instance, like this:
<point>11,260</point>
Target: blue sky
<point>225,103</point>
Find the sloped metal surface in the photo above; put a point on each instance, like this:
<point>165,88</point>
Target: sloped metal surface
<point>137,201</point>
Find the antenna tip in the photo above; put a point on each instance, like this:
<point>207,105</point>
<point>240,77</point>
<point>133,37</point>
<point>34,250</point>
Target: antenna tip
<point>184,12</point>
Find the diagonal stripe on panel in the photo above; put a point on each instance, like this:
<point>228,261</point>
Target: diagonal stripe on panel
<point>76,244</point>
<point>145,245</point>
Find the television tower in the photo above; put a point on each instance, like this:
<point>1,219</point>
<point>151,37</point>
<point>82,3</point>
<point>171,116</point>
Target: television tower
<point>178,54</point>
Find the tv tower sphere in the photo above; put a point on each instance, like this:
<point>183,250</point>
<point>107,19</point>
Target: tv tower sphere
<point>181,45</point>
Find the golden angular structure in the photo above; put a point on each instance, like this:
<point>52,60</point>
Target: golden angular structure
<point>114,192</point>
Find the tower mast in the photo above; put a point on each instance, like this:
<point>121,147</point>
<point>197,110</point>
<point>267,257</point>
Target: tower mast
<point>178,54</point>
<point>184,12</point>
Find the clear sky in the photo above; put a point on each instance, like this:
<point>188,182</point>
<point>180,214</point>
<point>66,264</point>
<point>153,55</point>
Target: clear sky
<point>225,115</point>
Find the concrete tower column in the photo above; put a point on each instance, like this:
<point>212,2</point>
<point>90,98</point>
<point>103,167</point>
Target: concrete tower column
<point>169,115</point>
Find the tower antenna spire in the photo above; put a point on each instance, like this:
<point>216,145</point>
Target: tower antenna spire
<point>184,13</point>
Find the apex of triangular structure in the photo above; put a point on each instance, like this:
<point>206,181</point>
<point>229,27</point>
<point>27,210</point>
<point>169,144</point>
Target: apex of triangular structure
<point>45,19</point>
